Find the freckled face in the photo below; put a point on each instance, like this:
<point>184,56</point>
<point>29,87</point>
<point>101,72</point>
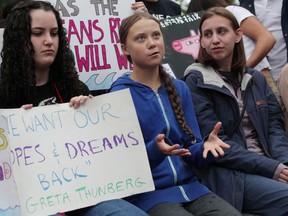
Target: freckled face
<point>144,44</point>
<point>44,37</point>
<point>218,38</point>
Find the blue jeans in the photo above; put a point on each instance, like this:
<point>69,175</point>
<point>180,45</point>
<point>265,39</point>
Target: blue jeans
<point>116,207</point>
<point>264,196</point>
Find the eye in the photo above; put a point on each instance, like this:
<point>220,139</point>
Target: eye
<point>36,33</point>
<point>207,34</point>
<point>54,33</point>
<point>157,35</point>
<point>140,38</point>
<point>221,31</point>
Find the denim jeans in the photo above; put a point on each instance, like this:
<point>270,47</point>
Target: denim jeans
<point>116,207</point>
<point>264,196</point>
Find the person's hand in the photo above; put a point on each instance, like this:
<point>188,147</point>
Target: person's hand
<point>283,177</point>
<point>170,149</point>
<point>214,144</point>
<point>139,6</point>
<point>78,100</point>
<point>27,106</point>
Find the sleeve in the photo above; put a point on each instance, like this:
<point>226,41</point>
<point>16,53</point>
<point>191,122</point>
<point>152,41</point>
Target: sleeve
<point>278,138</point>
<point>196,158</point>
<point>237,156</point>
<point>239,12</point>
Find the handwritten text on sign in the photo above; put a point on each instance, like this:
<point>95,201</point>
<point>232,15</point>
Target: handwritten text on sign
<point>65,158</point>
<point>92,30</point>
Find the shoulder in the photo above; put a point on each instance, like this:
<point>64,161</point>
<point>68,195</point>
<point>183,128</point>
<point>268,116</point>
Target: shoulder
<point>239,12</point>
<point>257,76</point>
<point>84,88</point>
<point>120,83</point>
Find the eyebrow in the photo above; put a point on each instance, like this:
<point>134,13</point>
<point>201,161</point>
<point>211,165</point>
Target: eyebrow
<point>41,28</point>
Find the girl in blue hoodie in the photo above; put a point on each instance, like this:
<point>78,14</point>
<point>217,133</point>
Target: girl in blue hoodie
<point>163,106</point>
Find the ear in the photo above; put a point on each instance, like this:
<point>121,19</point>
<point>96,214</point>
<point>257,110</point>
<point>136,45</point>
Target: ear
<point>125,49</point>
<point>239,33</point>
<point>201,43</point>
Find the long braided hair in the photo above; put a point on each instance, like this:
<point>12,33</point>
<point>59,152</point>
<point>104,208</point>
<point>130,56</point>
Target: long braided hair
<point>165,78</point>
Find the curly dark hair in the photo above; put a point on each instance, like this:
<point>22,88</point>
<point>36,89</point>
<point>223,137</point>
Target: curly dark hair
<point>18,66</point>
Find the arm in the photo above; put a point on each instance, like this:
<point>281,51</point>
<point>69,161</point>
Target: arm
<point>277,143</point>
<point>213,145</point>
<point>237,156</point>
<point>264,40</point>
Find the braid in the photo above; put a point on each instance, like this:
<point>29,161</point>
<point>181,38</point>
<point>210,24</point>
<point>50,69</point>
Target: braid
<point>175,101</point>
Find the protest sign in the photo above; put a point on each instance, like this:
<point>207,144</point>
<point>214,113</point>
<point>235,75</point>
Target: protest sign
<point>92,30</point>
<point>9,203</point>
<point>181,37</point>
<point>64,158</point>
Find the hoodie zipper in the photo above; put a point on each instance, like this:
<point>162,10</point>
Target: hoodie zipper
<point>167,135</point>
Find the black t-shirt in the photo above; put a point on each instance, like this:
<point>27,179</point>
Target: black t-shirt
<point>44,95</point>
<point>163,8</point>
<point>48,94</point>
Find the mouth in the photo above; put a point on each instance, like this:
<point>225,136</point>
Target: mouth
<point>153,54</point>
<point>217,49</point>
<point>48,52</point>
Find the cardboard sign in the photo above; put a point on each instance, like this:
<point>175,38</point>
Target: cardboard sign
<point>64,158</point>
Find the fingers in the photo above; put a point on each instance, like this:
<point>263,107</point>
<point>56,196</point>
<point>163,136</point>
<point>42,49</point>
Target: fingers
<point>174,150</point>
<point>168,149</point>
<point>213,152</point>
<point>160,137</point>
<point>139,6</point>
<point>216,129</point>
<point>78,100</point>
<point>27,106</point>
<point>216,150</point>
<point>224,145</point>
<point>283,177</point>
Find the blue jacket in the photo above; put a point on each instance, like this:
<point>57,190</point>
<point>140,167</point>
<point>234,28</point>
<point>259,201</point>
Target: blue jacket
<point>249,4</point>
<point>174,181</point>
<point>214,102</point>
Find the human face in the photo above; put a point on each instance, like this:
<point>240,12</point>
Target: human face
<point>144,44</point>
<point>44,37</point>
<point>218,38</point>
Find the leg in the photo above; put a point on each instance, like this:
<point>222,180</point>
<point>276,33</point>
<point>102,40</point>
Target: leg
<point>283,93</point>
<point>264,196</point>
<point>116,207</point>
<point>211,205</point>
<point>168,209</point>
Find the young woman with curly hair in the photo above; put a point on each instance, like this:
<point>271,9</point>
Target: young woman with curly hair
<point>37,64</point>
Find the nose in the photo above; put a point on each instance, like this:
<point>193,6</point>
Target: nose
<point>48,40</point>
<point>215,39</point>
<point>151,42</point>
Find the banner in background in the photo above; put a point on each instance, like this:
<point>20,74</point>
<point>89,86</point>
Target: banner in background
<point>181,37</point>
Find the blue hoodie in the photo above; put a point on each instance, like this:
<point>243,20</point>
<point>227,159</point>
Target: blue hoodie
<point>174,181</point>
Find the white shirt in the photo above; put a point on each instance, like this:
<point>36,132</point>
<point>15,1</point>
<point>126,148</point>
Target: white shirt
<point>268,13</point>
<point>241,14</point>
